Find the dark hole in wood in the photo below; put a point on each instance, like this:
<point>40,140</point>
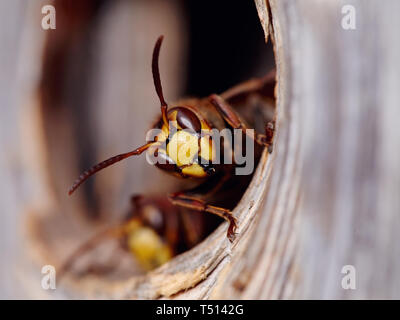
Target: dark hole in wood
<point>222,51</point>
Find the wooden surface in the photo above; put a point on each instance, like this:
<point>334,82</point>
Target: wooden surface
<point>340,156</point>
<point>18,78</point>
<point>342,104</point>
<point>328,196</point>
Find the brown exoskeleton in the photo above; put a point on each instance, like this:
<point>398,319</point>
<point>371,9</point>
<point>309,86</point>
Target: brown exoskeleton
<point>153,231</point>
<point>183,145</point>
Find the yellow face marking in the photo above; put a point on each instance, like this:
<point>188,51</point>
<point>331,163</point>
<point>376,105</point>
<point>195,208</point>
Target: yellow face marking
<point>182,148</point>
<point>148,248</point>
<point>207,149</point>
<point>194,170</point>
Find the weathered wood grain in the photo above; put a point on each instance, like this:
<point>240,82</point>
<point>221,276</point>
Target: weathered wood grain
<point>332,195</point>
<point>339,103</point>
<point>328,195</point>
<point>345,99</point>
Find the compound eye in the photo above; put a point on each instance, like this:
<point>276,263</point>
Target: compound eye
<point>153,216</point>
<point>188,120</point>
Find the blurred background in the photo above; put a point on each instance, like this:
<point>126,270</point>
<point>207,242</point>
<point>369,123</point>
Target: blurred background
<point>73,96</point>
